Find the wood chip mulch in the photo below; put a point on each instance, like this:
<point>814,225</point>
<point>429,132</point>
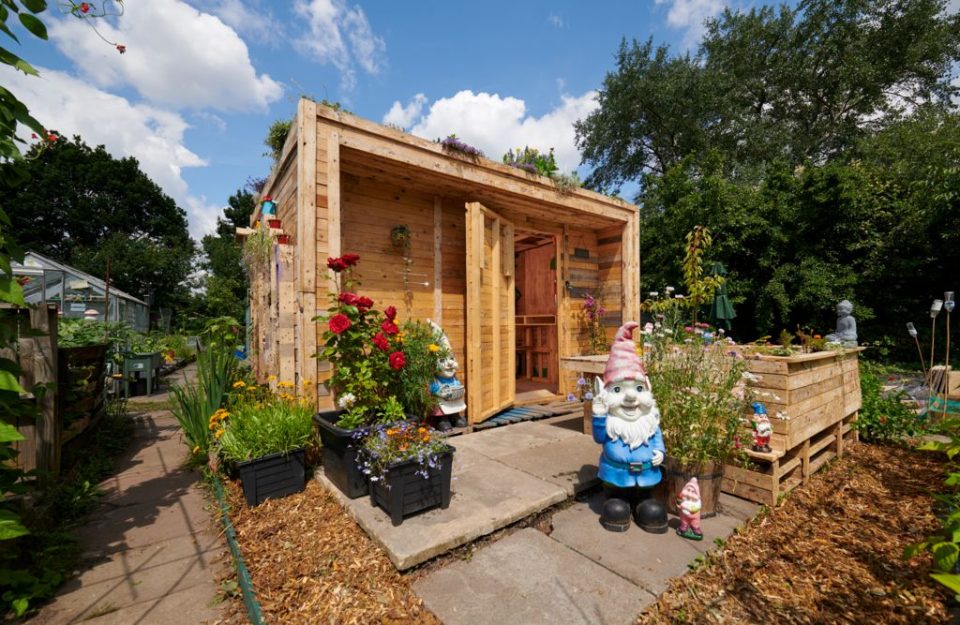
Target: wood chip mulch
<point>310,563</point>
<point>829,554</point>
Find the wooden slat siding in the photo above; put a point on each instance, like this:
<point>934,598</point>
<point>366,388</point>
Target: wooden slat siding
<point>280,170</point>
<point>539,289</point>
<point>286,315</point>
<point>610,273</point>
<point>474,226</point>
<point>305,283</point>
<point>329,241</point>
<point>496,273</point>
<point>438,261</point>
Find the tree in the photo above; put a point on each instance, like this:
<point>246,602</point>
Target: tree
<point>225,284</point>
<point>84,207</point>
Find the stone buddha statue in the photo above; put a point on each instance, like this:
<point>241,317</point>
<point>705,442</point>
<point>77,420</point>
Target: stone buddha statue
<point>846,333</point>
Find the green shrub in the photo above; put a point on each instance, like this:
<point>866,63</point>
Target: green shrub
<point>217,368</point>
<point>423,346</point>
<point>254,428</point>
<point>883,418</point>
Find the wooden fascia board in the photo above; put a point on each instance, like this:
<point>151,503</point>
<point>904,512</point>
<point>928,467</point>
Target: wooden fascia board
<point>366,136</point>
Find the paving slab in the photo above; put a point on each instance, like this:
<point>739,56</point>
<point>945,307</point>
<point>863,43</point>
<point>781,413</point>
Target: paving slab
<point>499,442</point>
<point>648,560</point>
<point>737,507</point>
<point>192,605</point>
<point>570,462</point>
<point>532,579</point>
<point>486,496</point>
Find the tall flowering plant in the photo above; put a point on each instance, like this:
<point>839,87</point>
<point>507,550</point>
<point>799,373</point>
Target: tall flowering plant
<point>593,312</point>
<point>363,345</point>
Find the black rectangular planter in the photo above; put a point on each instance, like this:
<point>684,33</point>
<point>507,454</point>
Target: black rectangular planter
<point>402,492</point>
<point>272,476</point>
<point>340,455</point>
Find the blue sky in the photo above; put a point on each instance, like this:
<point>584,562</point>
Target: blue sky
<point>202,80</point>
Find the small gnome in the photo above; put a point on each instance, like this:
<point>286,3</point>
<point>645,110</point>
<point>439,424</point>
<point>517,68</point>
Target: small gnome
<point>447,388</point>
<point>688,506</point>
<point>762,430</point>
<point>626,422</point>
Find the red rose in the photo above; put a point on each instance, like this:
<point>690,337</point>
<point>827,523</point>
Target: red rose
<point>389,328</point>
<point>364,304</point>
<point>397,360</point>
<point>350,259</point>
<point>381,342</point>
<point>336,264</point>
<point>339,323</point>
<point>84,7</point>
<point>347,298</point>
<point>391,312</point>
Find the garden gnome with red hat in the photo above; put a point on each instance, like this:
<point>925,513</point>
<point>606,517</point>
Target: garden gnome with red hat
<point>762,430</point>
<point>626,422</point>
<point>688,507</point>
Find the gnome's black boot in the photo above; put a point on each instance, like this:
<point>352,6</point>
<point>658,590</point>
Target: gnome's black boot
<point>651,516</point>
<point>615,515</point>
<point>443,424</point>
<point>459,421</point>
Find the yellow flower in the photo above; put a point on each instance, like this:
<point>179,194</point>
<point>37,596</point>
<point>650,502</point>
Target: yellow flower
<point>434,348</point>
<point>196,449</point>
<point>239,384</point>
<point>271,378</point>
<point>307,383</point>
<point>251,389</point>
<point>218,434</point>
<point>285,384</point>
<point>399,337</point>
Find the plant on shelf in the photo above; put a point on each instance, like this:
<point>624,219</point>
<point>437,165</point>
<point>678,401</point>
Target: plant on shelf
<point>364,347</point>
<point>456,146</point>
<point>533,161</point>
<point>566,183</point>
<point>257,248</point>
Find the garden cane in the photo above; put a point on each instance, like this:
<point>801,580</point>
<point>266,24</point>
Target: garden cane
<point>948,305</point>
<point>912,330</point>
<point>934,311</point>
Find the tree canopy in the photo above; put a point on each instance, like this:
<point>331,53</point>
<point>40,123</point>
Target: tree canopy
<point>225,282</point>
<point>819,144</point>
<point>84,207</point>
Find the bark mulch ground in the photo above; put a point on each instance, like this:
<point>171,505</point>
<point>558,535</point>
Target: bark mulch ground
<point>829,554</point>
<point>310,563</point>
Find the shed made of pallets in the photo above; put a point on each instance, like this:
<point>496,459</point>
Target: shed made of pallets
<point>492,249</point>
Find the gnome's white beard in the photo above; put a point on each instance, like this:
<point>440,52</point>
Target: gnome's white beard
<point>635,432</point>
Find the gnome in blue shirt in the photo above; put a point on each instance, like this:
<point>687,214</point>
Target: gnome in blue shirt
<point>626,422</point>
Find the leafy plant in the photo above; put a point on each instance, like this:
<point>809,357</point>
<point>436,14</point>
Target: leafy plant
<point>532,160</point>
<point>389,444</point>
<point>277,138</point>
<point>593,312</point>
<point>566,183</point>
<point>701,393</point>
<point>257,247</point>
<point>884,418</point>
<point>401,238</point>
<point>423,347</point>
<point>254,428</point>
<point>700,288</point>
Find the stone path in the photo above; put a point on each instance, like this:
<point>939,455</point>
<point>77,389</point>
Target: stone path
<point>151,549</point>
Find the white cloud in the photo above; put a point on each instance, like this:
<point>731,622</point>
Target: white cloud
<point>176,55</point>
<point>404,116</point>
<point>151,135</point>
<point>250,18</point>
<point>556,20</point>
<point>496,124</point>
<point>690,16</point>
<point>340,35</point>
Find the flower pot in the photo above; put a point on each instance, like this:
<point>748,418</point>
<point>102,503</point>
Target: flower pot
<point>402,491</point>
<point>340,455</point>
<point>272,476</point>
<point>709,475</point>
<point>273,223</point>
<point>283,239</point>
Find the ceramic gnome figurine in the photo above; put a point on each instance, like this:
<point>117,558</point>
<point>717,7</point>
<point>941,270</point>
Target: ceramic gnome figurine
<point>448,389</point>
<point>846,333</point>
<point>626,422</point>
<point>688,506</point>
<point>762,430</point>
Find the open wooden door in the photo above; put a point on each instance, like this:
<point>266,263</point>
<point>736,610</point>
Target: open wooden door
<point>491,306</point>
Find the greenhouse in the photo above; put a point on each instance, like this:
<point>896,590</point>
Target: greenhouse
<point>78,294</point>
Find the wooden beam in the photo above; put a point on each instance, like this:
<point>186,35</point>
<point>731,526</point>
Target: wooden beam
<point>333,199</point>
<point>474,395</point>
<point>497,284</point>
<point>306,247</point>
<point>438,261</point>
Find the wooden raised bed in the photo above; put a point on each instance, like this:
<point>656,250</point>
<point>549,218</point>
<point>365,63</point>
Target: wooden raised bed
<point>812,400</point>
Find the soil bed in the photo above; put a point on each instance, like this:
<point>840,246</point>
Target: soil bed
<point>829,554</point>
<point>310,563</point>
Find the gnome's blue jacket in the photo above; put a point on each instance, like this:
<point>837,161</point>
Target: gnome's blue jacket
<point>625,467</point>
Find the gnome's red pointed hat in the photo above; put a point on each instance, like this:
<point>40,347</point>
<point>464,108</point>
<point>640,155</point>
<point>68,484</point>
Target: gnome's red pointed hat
<point>624,363</point>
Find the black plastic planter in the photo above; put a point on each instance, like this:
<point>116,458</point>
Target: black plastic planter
<point>340,455</point>
<point>273,476</point>
<point>403,492</point>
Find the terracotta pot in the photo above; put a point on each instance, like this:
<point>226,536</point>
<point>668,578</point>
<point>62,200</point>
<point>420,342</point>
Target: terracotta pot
<point>283,239</point>
<point>273,223</point>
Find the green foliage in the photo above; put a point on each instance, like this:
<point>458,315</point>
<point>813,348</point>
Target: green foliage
<point>391,443</point>
<point>700,288</point>
<point>566,183</point>
<point>83,207</point>
<point>257,248</point>
<point>422,346</point>
<point>532,160</point>
<point>257,427</point>
<point>815,189</point>
<point>884,419</point>
<point>224,283</point>
<point>700,392</point>
<point>277,137</point>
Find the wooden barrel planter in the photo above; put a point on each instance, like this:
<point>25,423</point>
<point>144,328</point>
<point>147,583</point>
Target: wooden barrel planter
<point>709,475</point>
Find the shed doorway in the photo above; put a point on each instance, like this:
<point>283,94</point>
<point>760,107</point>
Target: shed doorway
<point>536,257</point>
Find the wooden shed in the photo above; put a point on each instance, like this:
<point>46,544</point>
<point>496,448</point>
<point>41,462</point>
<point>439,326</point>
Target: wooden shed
<point>499,257</point>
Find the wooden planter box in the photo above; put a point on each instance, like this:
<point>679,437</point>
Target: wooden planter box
<point>812,401</point>
<point>403,492</point>
<point>272,476</point>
